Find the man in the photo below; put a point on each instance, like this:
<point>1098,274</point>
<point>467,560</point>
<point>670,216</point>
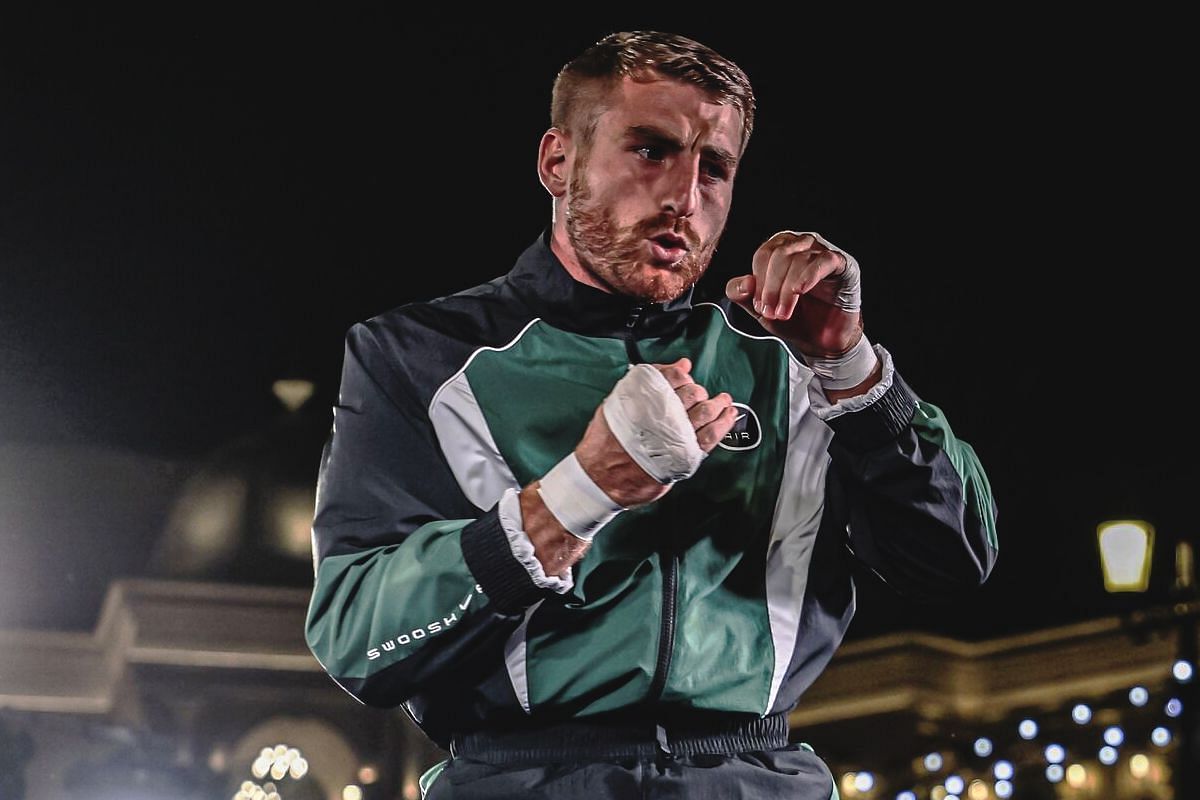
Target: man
<point>595,537</point>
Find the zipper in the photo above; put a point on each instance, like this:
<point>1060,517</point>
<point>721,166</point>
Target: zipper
<point>631,322</point>
<point>666,638</point>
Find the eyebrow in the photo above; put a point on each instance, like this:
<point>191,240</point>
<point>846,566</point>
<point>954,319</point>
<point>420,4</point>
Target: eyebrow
<point>664,139</point>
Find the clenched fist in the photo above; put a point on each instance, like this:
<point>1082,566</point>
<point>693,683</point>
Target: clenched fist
<point>617,473</point>
<point>803,291</point>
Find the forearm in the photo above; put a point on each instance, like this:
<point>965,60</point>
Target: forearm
<point>555,548</point>
<point>921,513</point>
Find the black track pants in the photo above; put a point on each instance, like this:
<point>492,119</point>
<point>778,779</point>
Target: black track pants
<point>793,771</point>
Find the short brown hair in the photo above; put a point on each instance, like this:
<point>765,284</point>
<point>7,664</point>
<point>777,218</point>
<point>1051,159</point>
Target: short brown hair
<point>583,84</point>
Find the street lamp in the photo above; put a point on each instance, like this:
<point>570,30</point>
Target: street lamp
<point>1125,550</point>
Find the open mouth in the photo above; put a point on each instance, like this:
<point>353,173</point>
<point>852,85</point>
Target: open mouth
<point>668,247</point>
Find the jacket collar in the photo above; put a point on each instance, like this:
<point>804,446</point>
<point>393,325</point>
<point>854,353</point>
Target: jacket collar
<point>542,281</point>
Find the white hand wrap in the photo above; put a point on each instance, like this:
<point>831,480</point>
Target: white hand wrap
<point>575,500</point>
<point>847,370</point>
<point>650,422</point>
<point>849,280</point>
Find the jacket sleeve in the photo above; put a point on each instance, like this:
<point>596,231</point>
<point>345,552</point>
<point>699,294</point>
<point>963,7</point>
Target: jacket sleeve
<point>919,507</point>
<point>411,580</point>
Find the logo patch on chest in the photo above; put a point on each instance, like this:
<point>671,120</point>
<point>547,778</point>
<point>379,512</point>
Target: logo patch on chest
<point>746,433</point>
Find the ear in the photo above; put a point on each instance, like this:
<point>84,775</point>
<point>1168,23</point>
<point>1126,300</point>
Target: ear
<point>554,159</point>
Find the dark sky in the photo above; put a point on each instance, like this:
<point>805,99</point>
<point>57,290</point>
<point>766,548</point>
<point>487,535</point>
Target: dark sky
<point>193,207</point>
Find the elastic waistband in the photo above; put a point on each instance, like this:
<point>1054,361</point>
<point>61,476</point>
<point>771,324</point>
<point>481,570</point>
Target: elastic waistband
<point>590,740</point>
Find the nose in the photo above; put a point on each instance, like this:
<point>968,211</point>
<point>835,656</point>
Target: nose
<point>681,191</point>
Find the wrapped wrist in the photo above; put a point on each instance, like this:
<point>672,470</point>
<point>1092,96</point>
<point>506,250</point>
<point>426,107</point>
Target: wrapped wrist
<point>575,500</point>
<point>847,370</point>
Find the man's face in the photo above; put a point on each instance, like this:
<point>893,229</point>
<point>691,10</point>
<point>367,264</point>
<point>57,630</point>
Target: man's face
<point>648,201</point>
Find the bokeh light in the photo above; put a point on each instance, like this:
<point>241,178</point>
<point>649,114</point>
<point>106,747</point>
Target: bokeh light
<point>1114,736</point>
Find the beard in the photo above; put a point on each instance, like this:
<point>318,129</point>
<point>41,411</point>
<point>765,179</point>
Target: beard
<point>616,256</point>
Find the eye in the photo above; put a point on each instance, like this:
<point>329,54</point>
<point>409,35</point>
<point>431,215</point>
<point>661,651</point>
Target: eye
<point>652,152</point>
<point>716,171</point>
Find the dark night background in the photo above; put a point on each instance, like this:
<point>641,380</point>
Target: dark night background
<point>194,206</point>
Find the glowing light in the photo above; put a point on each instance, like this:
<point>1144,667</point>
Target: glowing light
<point>1160,736</point>
<point>906,795</point>
<point>298,768</point>
<point>1027,729</point>
<point>273,796</point>
<point>261,767</point>
<point>293,393</point>
<point>1139,766</point>
<point>1054,773</point>
<point>1055,753</point>
<point>367,774</point>
<point>1183,671</point>
<point>983,747</point>
<point>1114,736</point>
<point>1076,775</point>
<point>933,762</point>
<point>1139,696</point>
<point>954,784</point>
<point>951,797</point>
<point>978,791</point>
<point>1081,714</point>
<point>267,753</point>
<point>848,783</point>
<point>1174,707</point>
<point>1108,756</point>
<point>280,751</point>
<point>1125,547</point>
<point>278,770</point>
<point>864,781</point>
<point>938,793</point>
<point>1003,789</point>
<point>351,792</point>
<point>247,786</point>
<point>1003,770</point>
<point>412,791</point>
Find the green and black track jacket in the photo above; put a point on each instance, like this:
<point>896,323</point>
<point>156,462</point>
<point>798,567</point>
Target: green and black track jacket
<point>729,594</point>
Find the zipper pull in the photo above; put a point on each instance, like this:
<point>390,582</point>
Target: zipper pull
<point>634,315</point>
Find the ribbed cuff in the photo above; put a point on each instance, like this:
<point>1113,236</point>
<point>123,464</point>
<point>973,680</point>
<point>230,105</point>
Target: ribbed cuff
<point>878,423</point>
<point>501,576</point>
<point>513,523</point>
